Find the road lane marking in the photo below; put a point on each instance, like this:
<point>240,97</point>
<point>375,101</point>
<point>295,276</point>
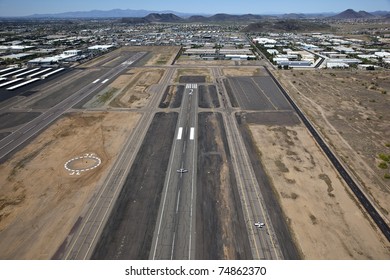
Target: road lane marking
<point>180,133</point>
<point>97,80</point>
<point>173,244</point>
<point>192,133</point>
<point>184,147</point>
<point>178,200</point>
<point>105,81</point>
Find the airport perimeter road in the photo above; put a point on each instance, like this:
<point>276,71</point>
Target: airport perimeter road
<point>263,241</point>
<point>29,130</point>
<point>174,233</point>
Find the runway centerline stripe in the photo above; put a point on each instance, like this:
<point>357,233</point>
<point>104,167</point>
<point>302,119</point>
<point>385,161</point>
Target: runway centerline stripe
<point>179,134</point>
<point>192,133</point>
<point>97,80</point>
<point>105,81</point>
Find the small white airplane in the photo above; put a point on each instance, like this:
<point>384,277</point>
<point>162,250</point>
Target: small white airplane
<point>259,225</point>
<point>182,170</point>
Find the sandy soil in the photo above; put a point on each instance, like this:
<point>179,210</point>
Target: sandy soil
<point>351,109</point>
<point>192,72</point>
<point>244,71</point>
<point>161,55</point>
<point>133,88</point>
<point>39,200</point>
<point>184,60</point>
<point>322,214</point>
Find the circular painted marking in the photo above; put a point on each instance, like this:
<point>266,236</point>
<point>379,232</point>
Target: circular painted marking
<point>82,164</point>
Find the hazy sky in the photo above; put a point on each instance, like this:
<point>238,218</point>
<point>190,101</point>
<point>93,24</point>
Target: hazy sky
<point>28,7</point>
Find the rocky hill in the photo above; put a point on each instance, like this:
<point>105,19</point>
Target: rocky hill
<point>288,25</point>
<point>351,14</point>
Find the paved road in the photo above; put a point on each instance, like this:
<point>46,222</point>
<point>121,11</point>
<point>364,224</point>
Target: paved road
<point>174,234</point>
<point>29,130</point>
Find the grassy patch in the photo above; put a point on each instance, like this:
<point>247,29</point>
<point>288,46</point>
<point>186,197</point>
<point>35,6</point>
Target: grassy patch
<point>107,95</point>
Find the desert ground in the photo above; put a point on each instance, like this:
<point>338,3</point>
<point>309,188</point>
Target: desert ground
<point>240,71</point>
<point>321,211</point>
<point>350,109</point>
<point>180,73</point>
<point>129,90</point>
<point>40,200</point>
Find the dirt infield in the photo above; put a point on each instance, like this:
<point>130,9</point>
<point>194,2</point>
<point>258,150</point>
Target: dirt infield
<point>132,89</point>
<point>351,109</point>
<point>40,200</point>
<point>322,213</point>
<point>180,75</point>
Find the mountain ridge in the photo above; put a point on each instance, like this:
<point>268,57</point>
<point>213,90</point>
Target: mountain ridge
<point>142,14</point>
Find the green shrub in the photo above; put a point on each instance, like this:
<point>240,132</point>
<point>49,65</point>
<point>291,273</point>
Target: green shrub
<point>384,157</point>
<point>382,165</point>
<point>387,176</point>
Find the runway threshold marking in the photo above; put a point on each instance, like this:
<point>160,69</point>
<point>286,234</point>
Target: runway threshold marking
<point>105,81</point>
<point>192,133</point>
<point>192,86</point>
<point>97,80</point>
<point>179,134</point>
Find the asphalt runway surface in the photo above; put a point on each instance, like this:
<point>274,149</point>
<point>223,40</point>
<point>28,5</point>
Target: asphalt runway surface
<point>4,134</point>
<point>174,236</point>
<point>256,93</point>
<point>192,79</point>
<point>12,119</point>
<point>208,97</point>
<point>174,100</point>
<point>129,231</point>
<point>220,224</point>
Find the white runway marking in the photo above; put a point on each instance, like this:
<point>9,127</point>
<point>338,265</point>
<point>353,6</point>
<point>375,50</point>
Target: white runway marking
<point>192,133</point>
<point>192,86</point>
<point>105,81</point>
<point>179,134</point>
<point>97,80</point>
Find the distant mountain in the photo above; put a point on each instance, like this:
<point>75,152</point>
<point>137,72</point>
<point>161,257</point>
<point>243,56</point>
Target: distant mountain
<point>351,14</point>
<point>115,13</point>
<point>380,13</point>
<point>155,17</point>
<point>364,14</point>
<point>288,25</point>
<point>294,16</point>
<point>228,17</point>
<point>198,19</point>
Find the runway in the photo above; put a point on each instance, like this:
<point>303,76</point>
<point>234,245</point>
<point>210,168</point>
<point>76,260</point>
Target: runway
<point>174,233</point>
